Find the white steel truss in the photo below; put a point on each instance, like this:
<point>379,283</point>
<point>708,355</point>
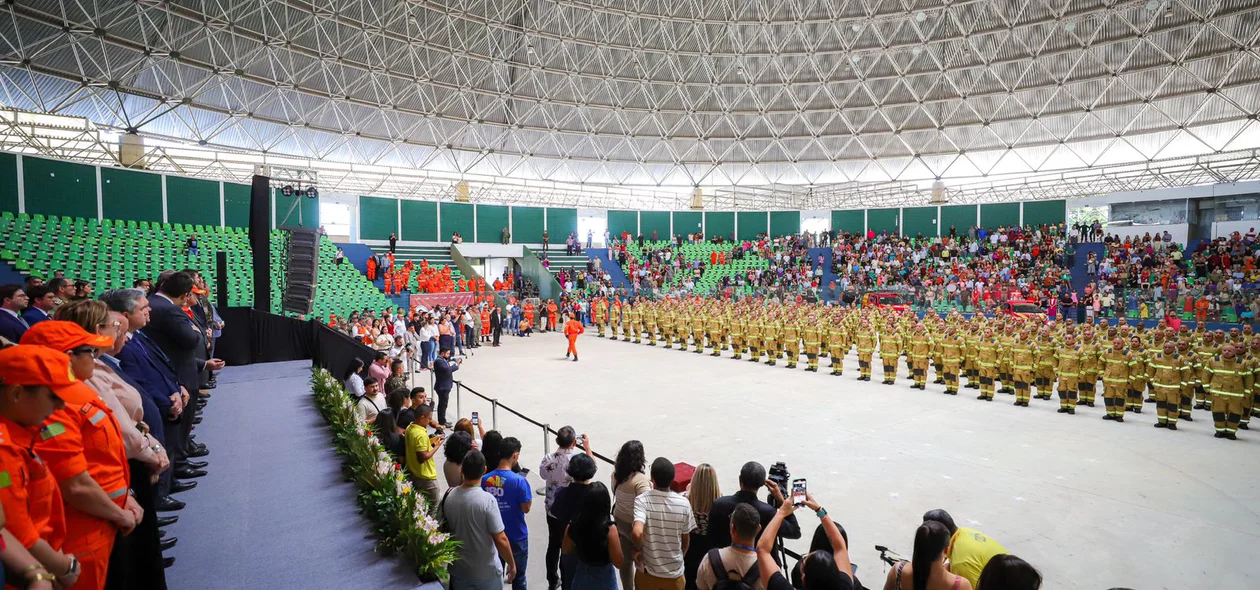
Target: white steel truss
<point>632,103</point>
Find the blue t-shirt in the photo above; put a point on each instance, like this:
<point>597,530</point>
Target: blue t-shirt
<point>510,491</point>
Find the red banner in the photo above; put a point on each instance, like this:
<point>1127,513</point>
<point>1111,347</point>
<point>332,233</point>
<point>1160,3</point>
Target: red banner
<point>443,299</point>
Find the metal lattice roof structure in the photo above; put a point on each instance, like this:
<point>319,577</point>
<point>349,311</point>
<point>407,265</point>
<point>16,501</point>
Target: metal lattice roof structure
<point>761,103</point>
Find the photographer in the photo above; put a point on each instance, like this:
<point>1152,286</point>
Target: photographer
<point>752,477</point>
<point>822,570</point>
<point>443,368</point>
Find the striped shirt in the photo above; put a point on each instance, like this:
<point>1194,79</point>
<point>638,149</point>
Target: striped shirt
<point>666,517</point>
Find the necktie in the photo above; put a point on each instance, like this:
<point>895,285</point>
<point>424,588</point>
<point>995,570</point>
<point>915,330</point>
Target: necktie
<point>145,342</point>
<point>22,321</point>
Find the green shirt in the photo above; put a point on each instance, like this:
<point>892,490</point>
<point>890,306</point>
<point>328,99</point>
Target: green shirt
<point>418,442</point>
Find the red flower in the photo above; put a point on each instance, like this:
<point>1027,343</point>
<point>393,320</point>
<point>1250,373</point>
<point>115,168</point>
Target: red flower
<point>397,467</point>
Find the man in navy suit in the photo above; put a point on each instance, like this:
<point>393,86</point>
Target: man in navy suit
<point>12,301</point>
<point>42,304</point>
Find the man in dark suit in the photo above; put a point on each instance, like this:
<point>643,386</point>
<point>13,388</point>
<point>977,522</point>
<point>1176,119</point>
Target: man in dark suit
<point>42,304</point>
<point>496,324</point>
<point>752,477</point>
<point>182,342</point>
<point>443,367</point>
<point>12,301</point>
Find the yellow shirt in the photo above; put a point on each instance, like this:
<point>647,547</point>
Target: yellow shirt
<point>970,550</point>
<point>418,442</point>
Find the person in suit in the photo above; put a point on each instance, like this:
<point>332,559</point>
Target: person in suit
<point>12,301</point>
<point>443,368</point>
<point>172,330</point>
<point>496,325</point>
<point>41,307</point>
<point>156,381</point>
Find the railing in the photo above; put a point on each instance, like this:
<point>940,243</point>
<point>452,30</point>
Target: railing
<point>547,433</point>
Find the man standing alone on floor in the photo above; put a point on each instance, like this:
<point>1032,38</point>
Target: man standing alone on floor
<point>571,330</point>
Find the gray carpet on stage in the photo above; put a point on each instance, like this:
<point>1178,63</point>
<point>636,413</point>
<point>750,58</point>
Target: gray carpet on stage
<point>274,511</point>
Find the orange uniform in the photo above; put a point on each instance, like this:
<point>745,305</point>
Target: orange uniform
<point>371,269</point>
<point>552,309</point>
<point>79,438</point>
<point>485,322</point>
<point>30,496</point>
<point>571,331</point>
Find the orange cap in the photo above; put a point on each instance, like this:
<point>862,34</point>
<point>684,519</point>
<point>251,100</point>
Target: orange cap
<point>38,365</point>
<point>63,336</point>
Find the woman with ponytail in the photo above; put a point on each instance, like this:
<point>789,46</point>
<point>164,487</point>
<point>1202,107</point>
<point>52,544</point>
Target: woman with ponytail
<point>926,570</point>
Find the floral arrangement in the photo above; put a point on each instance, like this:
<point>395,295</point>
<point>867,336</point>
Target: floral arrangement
<point>403,518</point>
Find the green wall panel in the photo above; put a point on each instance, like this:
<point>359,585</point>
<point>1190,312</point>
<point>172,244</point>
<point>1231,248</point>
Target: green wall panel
<point>654,220</point>
<point>527,225</point>
<point>919,220</point>
<point>456,217</point>
<point>849,220</point>
<point>561,222</point>
<point>687,222</point>
<point>751,223</point>
<point>8,182</point>
<point>622,222</point>
<point>785,223</point>
<point>378,217</point>
<point>491,220</point>
<point>719,223</point>
<point>60,188</point>
<point>961,217</point>
<point>131,194</point>
<point>192,200</point>
<point>419,221</point>
<point>995,215</point>
<point>236,204</point>
<point>1045,212</point>
<point>306,214</point>
<point>883,220</point>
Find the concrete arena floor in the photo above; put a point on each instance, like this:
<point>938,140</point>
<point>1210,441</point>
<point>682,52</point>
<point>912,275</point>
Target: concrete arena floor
<point>1090,503</point>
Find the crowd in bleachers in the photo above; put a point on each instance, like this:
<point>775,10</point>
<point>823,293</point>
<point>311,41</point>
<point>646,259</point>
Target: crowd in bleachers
<point>100,400</point>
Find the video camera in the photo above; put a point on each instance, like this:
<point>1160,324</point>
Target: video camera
<point>780,476</point>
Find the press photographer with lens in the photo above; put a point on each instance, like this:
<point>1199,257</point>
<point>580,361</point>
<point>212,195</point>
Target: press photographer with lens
<point>752,477</point>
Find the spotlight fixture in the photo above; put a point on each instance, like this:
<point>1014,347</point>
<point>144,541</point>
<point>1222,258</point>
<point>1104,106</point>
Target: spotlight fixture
<point>312,193</point>
<point>287,190</point>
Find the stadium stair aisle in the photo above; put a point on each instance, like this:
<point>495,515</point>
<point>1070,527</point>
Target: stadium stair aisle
<point>275,511</point>
<point>618,276</point>
<point>827,275</point>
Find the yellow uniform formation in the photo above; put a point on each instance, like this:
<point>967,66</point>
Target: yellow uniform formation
<point>1179,371</point>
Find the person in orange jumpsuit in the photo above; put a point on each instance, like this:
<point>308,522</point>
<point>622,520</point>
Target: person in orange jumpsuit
<point>572,329</point>
<point>485,324</point>
<point>463,285</point>
<point>552,310</point>
<point>389,283</point>
<point>371,268</point>
<point>528,310</point>
<point>82,445</point>
<point>37,382</point>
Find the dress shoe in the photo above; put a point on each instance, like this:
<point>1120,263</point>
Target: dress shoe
<point>161,534</point>
<point>183,486</point>
<point>193,464</point>
<point>202,452</point>
<point>205,395</point>
<point>189,473</point>
<point>168,504</point>
<point>168,562</point>
<point>196,446</point>
<point>168,543</point>
<point>197,420</point>
<point>167,520</point>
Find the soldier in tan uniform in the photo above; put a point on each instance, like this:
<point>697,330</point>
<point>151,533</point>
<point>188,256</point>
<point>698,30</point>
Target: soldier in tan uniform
<point>1117,361</point>
<point>837,345</point>
<point>1139,375</point>
<point>1170,372</point>
<point>1229,381</point>
<point>1023,364</point>
<point>865,350</point>
<point>810,334</point>
<point>1067,361</point>
<point>791,339</point>
<point>987,363</point>
<point>918,353</point>
<point>951,359</point>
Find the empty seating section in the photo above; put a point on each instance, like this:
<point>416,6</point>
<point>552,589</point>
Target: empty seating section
<point>558,262</point>
<point>111,254</point>
<point>342,288</point>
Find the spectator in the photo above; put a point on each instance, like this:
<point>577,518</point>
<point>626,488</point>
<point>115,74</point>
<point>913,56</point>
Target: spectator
<point>339,257</point>
<point>12,301</point>
<point>393,243</point>
<point>190,246</point>
<point>443,369</point>
<point>421,447</point>
<point>739,561</point>
<point>369,404</point>
<point>472,516</point>
<point>926,570</point>
<point>515,498</point>
<point>752,477</point>
<point>570,500</point>
<point>823,570</point>
<point>457,447</point>
<point>701,493</point>
<point>1007,572</point>
<point>592,540</point>
<point>380,367</point>
<point>475,433</point>
<point>662,519</point>
<point>63,289</point>
<point>820,542</point>
<point>629,482</point>
<point>41,305</point>
<point>408,413</point>
<point>428,343</point>
<point>554,471</point>
<point>969,550</point>
<point>397,376</point>
<point>391,437</point>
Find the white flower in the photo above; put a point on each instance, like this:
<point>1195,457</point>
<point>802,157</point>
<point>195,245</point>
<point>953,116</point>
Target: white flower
<point>359,430</point>
<point>384,467</point>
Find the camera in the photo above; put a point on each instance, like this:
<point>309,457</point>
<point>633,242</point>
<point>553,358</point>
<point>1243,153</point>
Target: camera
<point>780,476</point>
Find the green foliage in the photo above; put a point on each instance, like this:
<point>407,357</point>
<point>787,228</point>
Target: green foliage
<point>401,517</point>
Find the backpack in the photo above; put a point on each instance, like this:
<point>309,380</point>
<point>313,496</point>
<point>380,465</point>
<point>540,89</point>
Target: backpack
<point>443,525</point>
<point>732,581</point>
